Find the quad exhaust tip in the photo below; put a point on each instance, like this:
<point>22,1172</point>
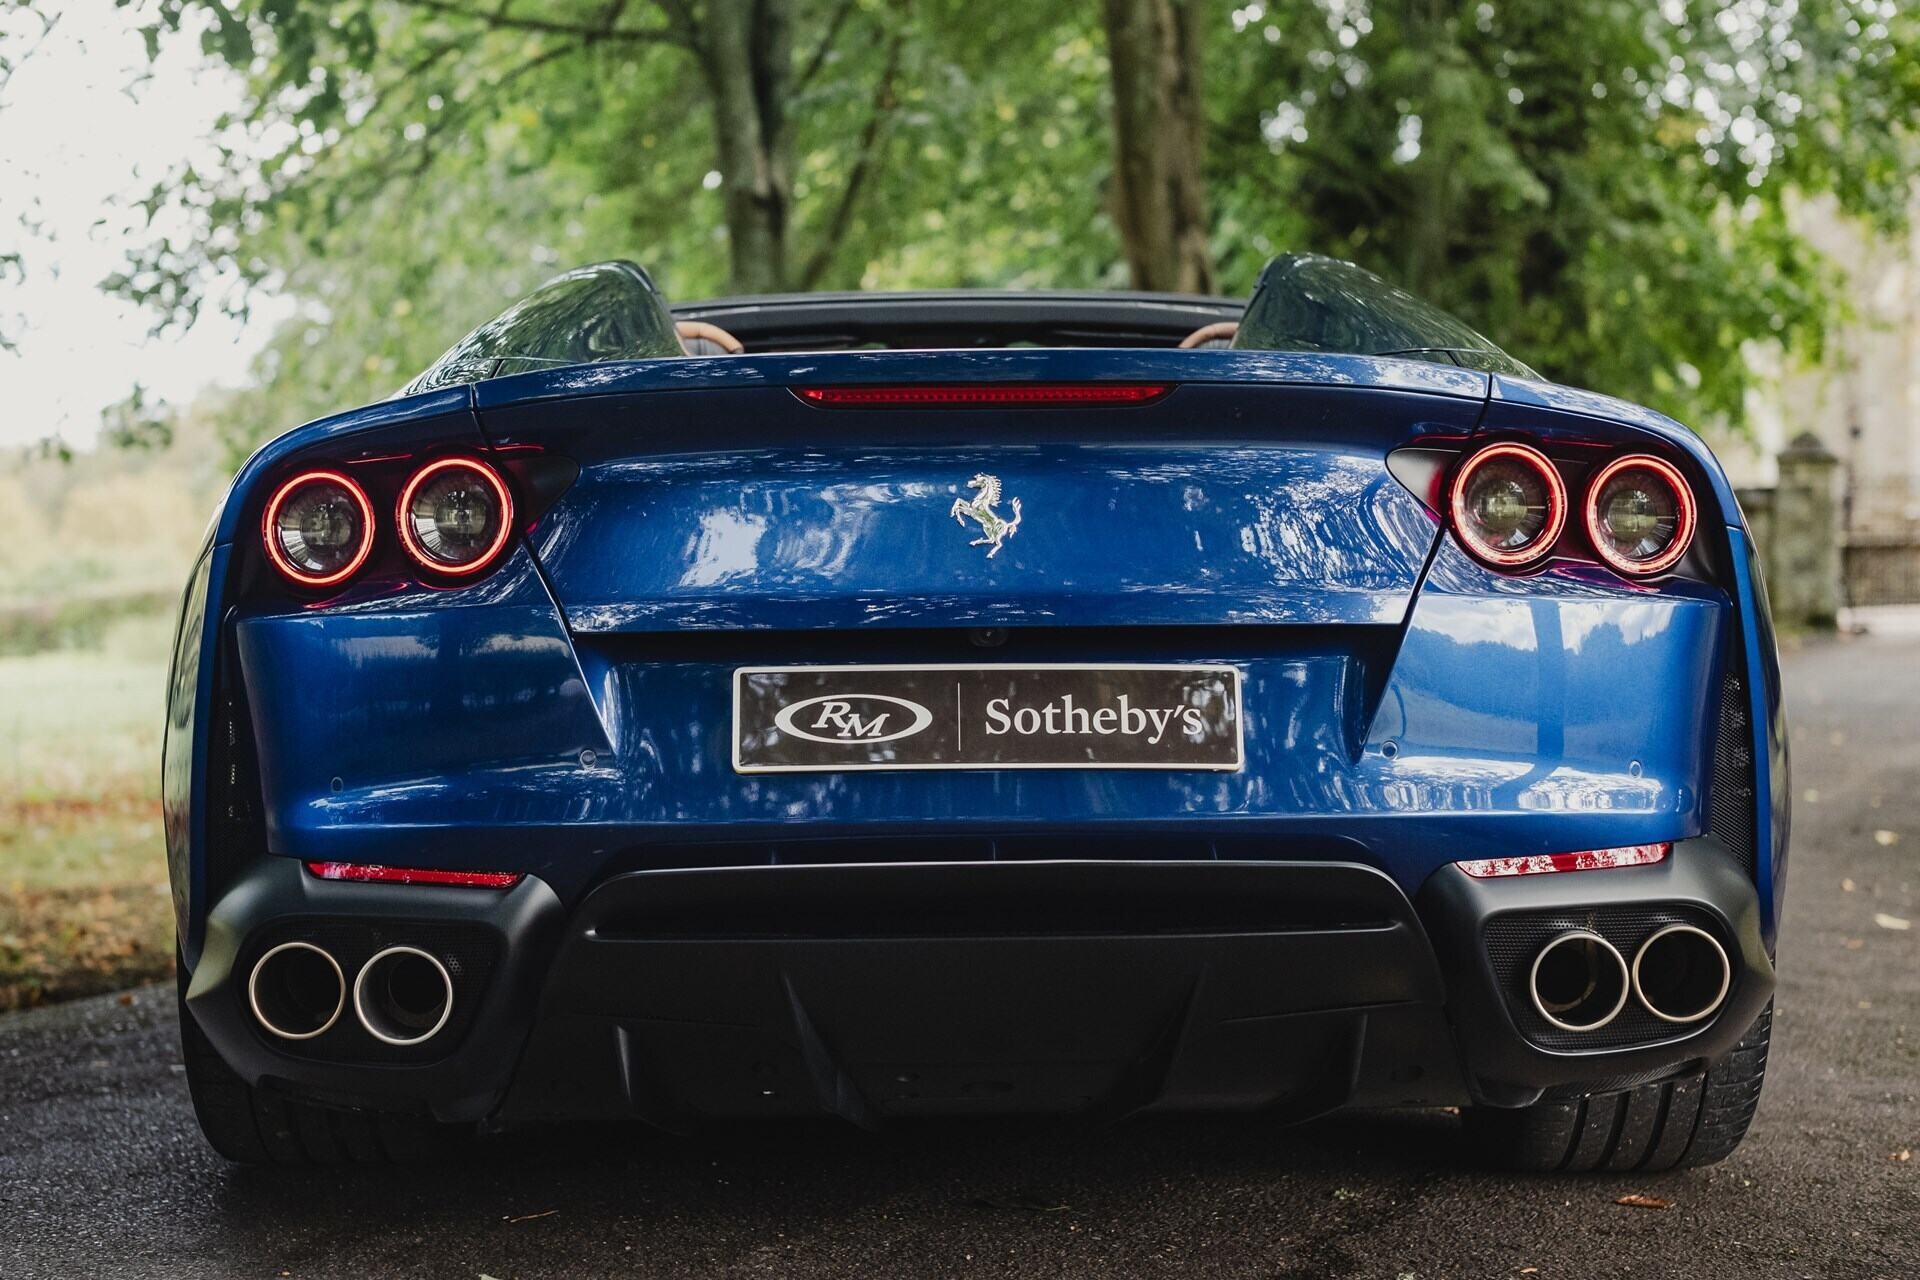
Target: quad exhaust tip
<point>296,991</point>
<point>1579,981</point>
<point>1681,974</point>
<point>403,996</point>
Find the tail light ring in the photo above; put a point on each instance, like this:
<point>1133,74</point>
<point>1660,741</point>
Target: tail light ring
<point>1686,515</point>
<point>270,539</point>
<point>403,520</point>
<point>1556,510</point>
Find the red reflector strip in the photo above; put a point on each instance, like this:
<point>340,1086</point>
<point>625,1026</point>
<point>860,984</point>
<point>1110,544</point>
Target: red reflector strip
<point>369,873</point>
<point>1632,855</point>
<point>1005,394</point>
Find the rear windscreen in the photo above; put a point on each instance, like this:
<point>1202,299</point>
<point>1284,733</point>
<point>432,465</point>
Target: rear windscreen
<point>1305,302</point>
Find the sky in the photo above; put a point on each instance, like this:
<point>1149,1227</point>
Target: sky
<point>87,125</point>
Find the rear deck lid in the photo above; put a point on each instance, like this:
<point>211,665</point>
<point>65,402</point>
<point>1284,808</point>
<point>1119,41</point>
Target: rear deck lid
<point>731,506</point>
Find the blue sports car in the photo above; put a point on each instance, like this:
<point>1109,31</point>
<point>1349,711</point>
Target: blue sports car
<point>898,705</point>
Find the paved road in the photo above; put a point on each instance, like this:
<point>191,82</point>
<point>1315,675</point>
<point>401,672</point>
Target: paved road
<point>103,1173</point>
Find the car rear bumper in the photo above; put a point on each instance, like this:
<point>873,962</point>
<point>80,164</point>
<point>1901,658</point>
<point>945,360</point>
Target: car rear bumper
<point>874,991</point>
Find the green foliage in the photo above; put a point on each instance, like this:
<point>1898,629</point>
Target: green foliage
<point>1603,186</point>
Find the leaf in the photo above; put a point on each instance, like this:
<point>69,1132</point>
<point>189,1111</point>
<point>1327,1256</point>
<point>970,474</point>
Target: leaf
<point>1028,1201</point>
<point>1637,1200</point>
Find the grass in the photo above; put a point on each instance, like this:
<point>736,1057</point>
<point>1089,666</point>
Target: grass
<point>83,897</point>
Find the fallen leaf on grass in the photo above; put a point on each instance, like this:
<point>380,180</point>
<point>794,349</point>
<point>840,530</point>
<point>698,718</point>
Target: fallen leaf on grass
<point>1635,1200</point>
<point>1895,923</point>
<point>1886,839</point>
<point>1901,1156</point>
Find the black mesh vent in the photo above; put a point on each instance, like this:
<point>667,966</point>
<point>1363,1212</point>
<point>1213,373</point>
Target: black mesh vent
<point>1514,939</point>
<point>1730,795</point>
<point>470,953</point>
<point>235,824</point>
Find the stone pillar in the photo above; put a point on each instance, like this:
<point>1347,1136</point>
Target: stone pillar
<point>1756,505</point>
<point>1803,560</point>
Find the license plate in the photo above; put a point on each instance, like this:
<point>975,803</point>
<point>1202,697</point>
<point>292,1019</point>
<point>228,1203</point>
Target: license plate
<point>837,719</point>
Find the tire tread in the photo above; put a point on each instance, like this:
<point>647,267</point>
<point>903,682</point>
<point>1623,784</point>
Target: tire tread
<point>1675,1124</point>
<point>254,1126</point>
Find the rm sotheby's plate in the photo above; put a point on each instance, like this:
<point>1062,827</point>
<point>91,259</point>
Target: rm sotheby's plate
<point>976,716</point>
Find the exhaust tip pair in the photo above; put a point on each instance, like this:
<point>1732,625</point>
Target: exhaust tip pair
<point>1580,981</point>
<point>402,996</point>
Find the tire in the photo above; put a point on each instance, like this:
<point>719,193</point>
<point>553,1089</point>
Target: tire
<point>1676,1124</point>
<point>253,1126</point>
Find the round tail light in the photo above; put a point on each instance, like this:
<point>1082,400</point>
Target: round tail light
<point>455,515</point>
<point>318,528</point>
<point>1640,514</point>
<point>1509,505</point>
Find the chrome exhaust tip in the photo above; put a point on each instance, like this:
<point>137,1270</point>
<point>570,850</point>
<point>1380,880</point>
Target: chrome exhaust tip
<point>403,996</point>
<point>1681,974</point>
<point>296,991</point>
<point>1579,981</point>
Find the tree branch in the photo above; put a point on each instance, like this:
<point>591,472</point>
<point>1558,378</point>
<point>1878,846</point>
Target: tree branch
<point>821,50</point>
<point>842,216</point>
<point>680,18</point>
<point>418,67</point>
<point>9,65</point>
<point>500,19</point>
<point>413,159</point>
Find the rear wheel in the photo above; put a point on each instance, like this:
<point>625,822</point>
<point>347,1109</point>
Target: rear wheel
<point>254,1126</point>
<point>1676,1124</point>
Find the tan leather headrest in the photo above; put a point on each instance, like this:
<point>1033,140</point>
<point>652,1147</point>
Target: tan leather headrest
<point>700,331</point>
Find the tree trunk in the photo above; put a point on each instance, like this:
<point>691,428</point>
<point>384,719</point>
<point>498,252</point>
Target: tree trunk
<point>1159,141</point>
<point>1431,223</point>
<point>746,52</point>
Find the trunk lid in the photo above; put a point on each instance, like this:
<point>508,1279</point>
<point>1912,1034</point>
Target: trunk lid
<point>743,507</point>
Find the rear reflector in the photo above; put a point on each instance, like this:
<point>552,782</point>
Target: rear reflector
<point>367,872</point>
<point>1012,395</point>
<point>1632,855</point>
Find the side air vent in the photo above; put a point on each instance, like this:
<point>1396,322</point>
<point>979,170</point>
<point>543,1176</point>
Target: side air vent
<point>1731,794</point>
<point>236,830</point>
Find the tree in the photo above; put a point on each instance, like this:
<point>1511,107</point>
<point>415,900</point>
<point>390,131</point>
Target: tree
<point>376,94</point>
<point>403,180</point>
<point>1603,186</point>
<point>22,29</point>
<point>1159,141</point>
